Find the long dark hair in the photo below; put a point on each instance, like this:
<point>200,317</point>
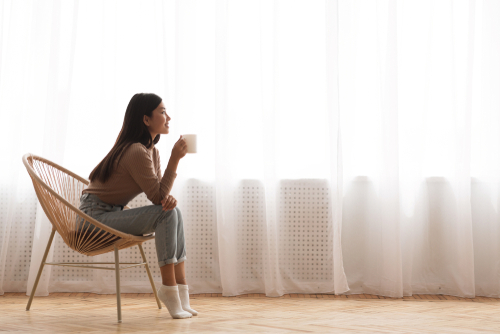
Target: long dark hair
<point>133,130</point>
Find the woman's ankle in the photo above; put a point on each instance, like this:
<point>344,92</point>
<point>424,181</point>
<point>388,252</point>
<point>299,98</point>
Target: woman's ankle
<point>169,283</point>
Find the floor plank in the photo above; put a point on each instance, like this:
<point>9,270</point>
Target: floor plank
<point>314,313</point>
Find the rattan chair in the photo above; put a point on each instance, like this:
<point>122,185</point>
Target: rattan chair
<point>58,191</point>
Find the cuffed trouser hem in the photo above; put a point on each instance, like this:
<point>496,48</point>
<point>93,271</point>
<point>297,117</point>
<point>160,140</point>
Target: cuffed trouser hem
<point>173,260</point>
<point>182,259</point>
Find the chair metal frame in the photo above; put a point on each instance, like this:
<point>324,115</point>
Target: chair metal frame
<point>48,196</point>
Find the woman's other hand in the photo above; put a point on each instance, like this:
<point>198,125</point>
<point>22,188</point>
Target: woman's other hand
<point>180,149</point>
<point>168,203</point>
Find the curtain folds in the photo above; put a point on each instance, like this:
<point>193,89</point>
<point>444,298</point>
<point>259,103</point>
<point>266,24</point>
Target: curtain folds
<point>344,146</point>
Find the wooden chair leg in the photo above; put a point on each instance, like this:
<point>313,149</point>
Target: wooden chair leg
<point>117,274</point>
<point>32,294</point>
<point>149,274</point>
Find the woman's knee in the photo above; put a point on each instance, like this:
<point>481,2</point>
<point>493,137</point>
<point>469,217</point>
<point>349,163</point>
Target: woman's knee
<point>165,216</point>
<point>179,214</point>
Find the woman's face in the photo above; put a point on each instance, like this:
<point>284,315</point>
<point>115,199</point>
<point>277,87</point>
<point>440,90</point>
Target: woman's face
<point>158,122</point>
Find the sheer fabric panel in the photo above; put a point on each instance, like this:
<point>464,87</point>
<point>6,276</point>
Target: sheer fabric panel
<point>344,146</point>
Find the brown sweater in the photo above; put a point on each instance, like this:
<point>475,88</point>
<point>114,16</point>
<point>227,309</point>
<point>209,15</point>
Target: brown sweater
<point>138,171</point>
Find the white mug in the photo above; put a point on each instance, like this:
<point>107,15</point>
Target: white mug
<point>191,142</point>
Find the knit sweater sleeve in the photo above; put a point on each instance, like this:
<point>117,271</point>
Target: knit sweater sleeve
<point>157,164</point>
<point>138,161</point>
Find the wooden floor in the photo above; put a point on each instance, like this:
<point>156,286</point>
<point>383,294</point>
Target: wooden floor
<point>92,313</point>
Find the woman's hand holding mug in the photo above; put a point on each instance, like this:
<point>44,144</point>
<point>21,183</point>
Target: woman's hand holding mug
<point>180,149</point>
<point>168,203</point>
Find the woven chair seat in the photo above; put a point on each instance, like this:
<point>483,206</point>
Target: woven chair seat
<point>95,234</point>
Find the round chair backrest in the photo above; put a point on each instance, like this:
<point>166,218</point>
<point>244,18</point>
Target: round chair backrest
<point>59,191</point>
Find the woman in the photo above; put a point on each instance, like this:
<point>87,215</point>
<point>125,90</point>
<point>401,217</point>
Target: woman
<point>130,168</point>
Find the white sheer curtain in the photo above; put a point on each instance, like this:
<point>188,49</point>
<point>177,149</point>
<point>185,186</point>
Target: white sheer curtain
<point>353,146</point>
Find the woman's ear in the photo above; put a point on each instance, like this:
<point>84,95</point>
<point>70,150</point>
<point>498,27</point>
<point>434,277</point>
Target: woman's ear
<point>146,120</point>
